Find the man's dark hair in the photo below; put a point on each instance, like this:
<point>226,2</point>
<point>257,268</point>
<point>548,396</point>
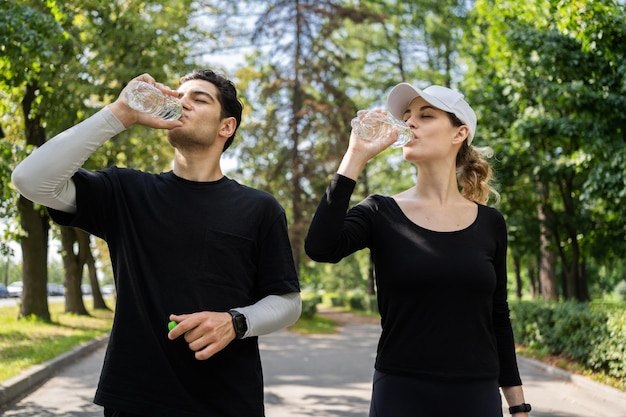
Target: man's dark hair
<point>230,103</point>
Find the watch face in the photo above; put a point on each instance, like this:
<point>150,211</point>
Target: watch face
<point>240,322</point>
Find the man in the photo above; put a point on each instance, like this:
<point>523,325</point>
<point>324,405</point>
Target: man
<point>190,246</point>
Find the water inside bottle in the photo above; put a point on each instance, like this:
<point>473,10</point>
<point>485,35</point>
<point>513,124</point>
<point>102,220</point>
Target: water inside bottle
<point>149,99</point>
<point>374,125</point>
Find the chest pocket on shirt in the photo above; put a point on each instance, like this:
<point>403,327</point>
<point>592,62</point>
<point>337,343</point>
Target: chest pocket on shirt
<point>227,264</point>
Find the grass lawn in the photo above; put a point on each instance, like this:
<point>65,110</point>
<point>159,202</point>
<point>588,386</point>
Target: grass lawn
<point>27,341</point>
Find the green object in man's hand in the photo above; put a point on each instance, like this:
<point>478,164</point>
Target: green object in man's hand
<point>171,325</point>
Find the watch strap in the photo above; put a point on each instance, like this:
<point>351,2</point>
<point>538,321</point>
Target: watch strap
<point>522,408</point>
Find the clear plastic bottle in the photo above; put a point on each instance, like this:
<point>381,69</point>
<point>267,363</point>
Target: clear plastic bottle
<point>148,99</point>
<point>373,125</point>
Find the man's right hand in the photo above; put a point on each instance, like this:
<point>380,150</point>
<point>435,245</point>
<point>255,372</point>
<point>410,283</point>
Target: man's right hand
<point>129,116</point>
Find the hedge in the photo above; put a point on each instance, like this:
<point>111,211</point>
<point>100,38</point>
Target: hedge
<point>592,334</point>
<point>309,305</point>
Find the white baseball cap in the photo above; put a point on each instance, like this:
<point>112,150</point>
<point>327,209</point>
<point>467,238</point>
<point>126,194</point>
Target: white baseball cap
<point>441,97</point>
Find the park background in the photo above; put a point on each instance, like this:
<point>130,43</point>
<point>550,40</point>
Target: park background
<point>546,78</point>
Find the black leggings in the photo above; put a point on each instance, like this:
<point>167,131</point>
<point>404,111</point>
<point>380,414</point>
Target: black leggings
<point>402,396</point>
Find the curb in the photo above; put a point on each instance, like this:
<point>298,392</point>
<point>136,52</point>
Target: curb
<point>18,386</point>
<point>576,379</point>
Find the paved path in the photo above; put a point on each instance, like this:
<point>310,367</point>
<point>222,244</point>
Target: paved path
<point>325,376</point>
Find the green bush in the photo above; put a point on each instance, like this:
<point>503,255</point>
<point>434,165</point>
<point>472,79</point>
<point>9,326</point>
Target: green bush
<point>372,301</point>
<point>363,302</point>
<point>591,334</point>
<point>334,299</point>
<point>620,290</point>
<point>357,302</point>
<point>610,352</point>
<point>309,305</point>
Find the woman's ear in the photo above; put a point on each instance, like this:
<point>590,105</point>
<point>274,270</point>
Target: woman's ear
<point>462,133</point>
<point>228,126</point>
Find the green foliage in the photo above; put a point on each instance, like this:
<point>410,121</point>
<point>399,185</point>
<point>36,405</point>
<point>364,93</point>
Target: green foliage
<point>609,354</point>
<point>334,299</point>
<point>355,300</point>
<point>362,302</point>
<point>620,290</point>
<point>317,324</point>
<point>309,304</point>
<point>349,274</point>
<point>591,334</point>
<point>549,86</point>
<point>7,195</point>
<point>29,37</point>
<point>9,270</point>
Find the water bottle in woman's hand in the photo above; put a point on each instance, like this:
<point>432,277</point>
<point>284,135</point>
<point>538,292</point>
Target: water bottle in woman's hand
<point>373,125</point>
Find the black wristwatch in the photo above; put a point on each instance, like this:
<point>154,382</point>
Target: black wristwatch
<point>522,408</point>
<point>239,323</point>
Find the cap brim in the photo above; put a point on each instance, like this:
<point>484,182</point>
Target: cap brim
<point>404,93</point>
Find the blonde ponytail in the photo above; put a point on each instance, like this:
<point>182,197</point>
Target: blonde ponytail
<point>475,175</point>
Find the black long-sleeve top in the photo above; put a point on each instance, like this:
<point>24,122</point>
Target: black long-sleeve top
<point>442,295</point>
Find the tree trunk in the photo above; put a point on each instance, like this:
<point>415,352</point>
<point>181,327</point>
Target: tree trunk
<point>85,249</point>
<point>582,287</point>
<point>574,278</point>
<point>547,275</point>
<point>73,263</point>
<point>35,223</point>
<point>532,276</point>
<point>34,261</point>
<point>518,277</point>
<point>576,285</point>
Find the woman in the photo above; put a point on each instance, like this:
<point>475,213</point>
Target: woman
<point>440,260</point>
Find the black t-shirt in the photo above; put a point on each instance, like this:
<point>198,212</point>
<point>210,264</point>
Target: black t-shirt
<point>442,295</point>
<point>179,246</point>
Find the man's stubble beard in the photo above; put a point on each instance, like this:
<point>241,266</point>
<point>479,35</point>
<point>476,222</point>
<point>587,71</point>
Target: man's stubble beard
<point>183,141</point>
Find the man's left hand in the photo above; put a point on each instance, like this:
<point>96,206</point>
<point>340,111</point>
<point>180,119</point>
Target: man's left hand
<point>206,332</point>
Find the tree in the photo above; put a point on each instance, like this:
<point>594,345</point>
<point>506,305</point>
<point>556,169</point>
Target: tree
<point>550,90</point>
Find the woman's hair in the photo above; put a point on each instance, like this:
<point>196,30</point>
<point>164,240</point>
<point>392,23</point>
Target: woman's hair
<point>230,103</point>
<point>474,173</point>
